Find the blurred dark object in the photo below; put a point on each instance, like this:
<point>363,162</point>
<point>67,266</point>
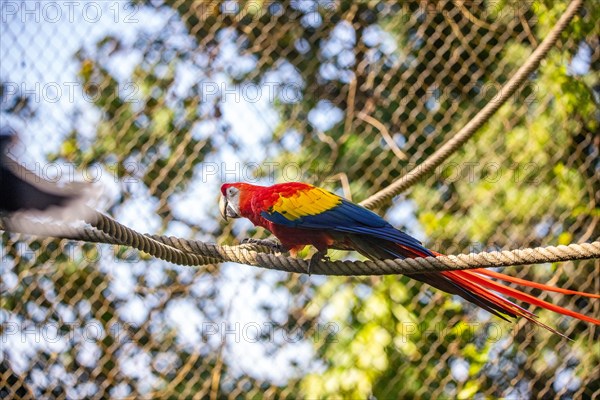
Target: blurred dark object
<point>24,191</point>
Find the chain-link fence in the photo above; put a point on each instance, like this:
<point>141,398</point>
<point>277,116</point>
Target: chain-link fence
<point>159,103</point>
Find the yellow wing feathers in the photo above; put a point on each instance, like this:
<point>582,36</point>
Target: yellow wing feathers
<point>302,203</point>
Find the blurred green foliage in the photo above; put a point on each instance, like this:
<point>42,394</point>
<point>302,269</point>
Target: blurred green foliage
<point>533,184</point>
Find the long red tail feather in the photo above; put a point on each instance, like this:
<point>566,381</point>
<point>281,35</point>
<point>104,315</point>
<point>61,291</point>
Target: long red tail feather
<point>503,303</point>
<point>478,281</point>
<point>517,294</point>
<point>532,284</point>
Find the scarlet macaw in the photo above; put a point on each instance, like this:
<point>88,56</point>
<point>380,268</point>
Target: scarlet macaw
<point>299,214</point>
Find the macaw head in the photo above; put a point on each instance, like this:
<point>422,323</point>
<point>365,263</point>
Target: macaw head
<point>236,199</point>
<point>229,203</point>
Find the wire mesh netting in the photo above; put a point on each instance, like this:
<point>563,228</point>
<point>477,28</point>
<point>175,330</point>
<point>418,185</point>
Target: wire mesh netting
<point>159,103</point>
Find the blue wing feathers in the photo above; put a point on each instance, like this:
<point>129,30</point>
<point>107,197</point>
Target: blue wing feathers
<point>348,217</point>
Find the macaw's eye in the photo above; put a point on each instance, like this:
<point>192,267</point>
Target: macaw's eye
<point>231,191</point>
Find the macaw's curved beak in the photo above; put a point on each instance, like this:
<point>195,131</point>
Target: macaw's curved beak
<point>223,207</point>
<point>226,210</point>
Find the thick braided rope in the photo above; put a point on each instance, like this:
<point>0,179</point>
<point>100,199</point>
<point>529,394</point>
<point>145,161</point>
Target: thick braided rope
<point>145,243</point>
<point>26,226</point>
<point>259,256</point>
<point>506,92</point>
<point>436,264</point>
<point>107,230</point>
<point>247,254</point>
<point>171,250</point>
